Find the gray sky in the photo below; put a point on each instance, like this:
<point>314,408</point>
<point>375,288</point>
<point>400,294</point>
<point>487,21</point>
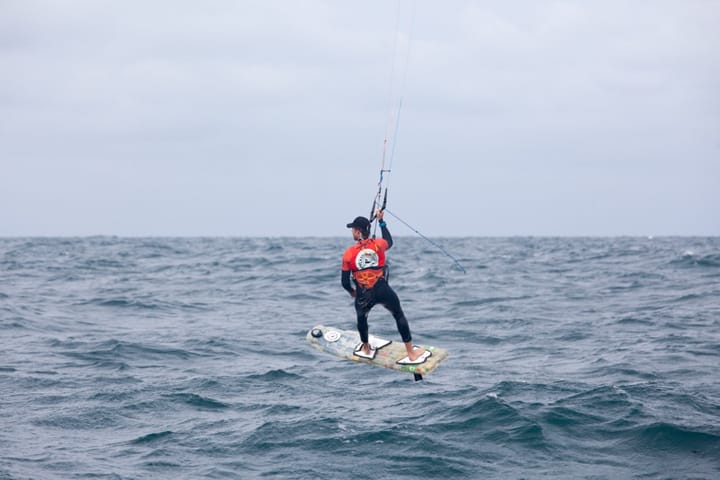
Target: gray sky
<point>268,117</point>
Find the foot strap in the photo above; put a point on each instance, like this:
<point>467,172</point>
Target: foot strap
<point>359,352</point>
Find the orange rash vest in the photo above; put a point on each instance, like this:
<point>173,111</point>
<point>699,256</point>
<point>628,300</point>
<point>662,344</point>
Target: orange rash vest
<point>365,260</point>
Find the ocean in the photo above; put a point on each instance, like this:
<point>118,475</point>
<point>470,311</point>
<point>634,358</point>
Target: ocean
<point>186,358</point>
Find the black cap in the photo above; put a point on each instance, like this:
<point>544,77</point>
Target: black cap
<point>361,223</point>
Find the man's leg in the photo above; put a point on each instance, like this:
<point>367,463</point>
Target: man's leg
<point>363,304</point>
<point>390,300</point>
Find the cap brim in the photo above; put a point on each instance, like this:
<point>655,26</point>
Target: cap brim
<point>350,225</point>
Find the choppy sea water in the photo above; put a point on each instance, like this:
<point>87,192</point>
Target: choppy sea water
<point>185,358</point>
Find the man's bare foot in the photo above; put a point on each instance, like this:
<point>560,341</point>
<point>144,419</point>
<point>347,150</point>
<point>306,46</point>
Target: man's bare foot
<point>414,352</point>
<point>366,348</point>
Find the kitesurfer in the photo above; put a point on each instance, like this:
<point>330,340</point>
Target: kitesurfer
<point>365,262</point>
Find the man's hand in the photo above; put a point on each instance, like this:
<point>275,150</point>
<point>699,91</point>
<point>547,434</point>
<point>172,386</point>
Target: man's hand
<point>379,214</point>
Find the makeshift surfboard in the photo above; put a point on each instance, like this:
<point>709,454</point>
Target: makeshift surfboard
<point>384,353</point>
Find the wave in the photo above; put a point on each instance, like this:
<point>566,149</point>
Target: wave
<point>120,354</point>
<point>691,259</point>
<point>152,438</point>
<point>155,305</point>
<point>476,302</point>
<point>354,449</point>
<point>94,418</point>
<point>487,419</point>
<point>274,376</point>
<point>121,303</point>
<point>198,401</point>
<point>668,437</point>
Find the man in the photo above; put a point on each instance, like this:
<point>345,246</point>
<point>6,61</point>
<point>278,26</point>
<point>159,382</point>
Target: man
<point>365,261</point>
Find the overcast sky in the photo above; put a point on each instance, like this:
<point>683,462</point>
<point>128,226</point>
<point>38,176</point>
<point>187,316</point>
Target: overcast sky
<point>267,117</point>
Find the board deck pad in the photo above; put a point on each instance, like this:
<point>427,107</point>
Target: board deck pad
<point>422,359</point>
<point>342,343</point>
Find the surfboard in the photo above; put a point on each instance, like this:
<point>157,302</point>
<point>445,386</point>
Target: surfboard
<point>386,353</point>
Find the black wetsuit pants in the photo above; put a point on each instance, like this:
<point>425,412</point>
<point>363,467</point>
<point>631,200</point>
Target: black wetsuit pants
<point>382,294</point>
